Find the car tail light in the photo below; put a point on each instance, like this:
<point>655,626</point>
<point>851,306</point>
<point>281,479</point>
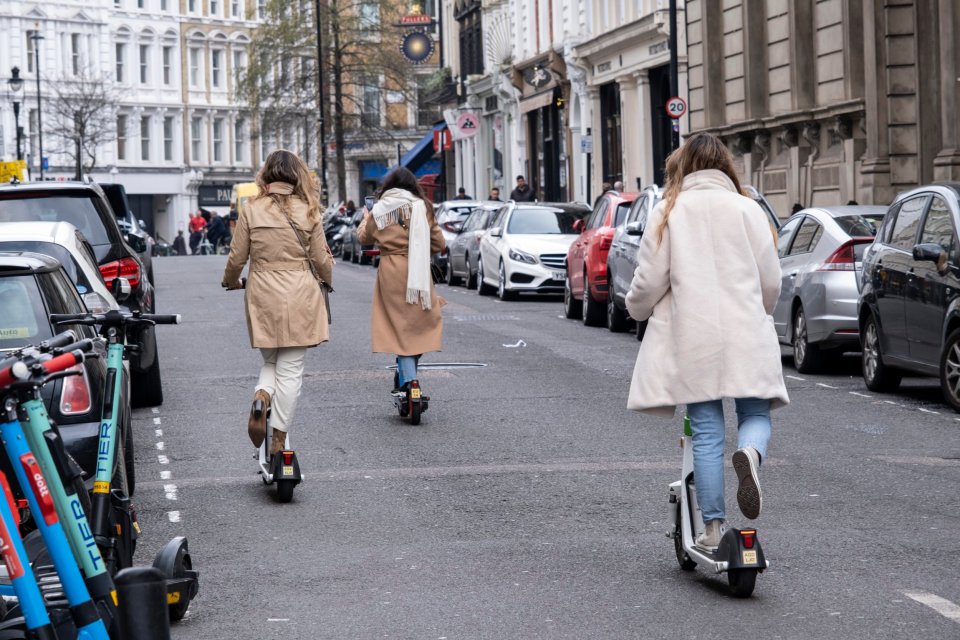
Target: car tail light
<point>845,257</point>
<point>124,268</point>
<point>75,397</point>
<point>605,243</point>
<point>452,227</point>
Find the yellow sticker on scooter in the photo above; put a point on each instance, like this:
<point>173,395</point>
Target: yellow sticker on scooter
<point>288,471</point>
<point>173,598</point>
<point>414,394</point>
<point>749,557</point>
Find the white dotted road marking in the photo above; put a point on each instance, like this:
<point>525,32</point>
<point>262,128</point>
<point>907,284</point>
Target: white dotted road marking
<point>278,619</point>
<point>171,491</point>
<point>163,459</point>
<point>165,475</point>
<point>861,395</point>
<point>158,432</point>
<point>936,413</point>
<point>826,386</point>
<point>796,378</point>
<point>160,446</point>
<point>173,516</point>
<point>156,421</point>
<point>155,410</point>
<point>942,606</point>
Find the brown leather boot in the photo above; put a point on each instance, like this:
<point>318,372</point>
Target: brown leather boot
<point>257,424</point>
<point>278,442</point>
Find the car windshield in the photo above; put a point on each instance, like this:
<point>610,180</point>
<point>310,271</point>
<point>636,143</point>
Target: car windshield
<point>544,221</point>
<point>622,209</point>
<point>77,209</point>
<point>61,253</point>
<point>23,318</point>
<point>860,226</point>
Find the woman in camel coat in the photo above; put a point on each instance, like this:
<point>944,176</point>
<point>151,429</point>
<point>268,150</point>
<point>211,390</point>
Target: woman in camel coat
<point>405,318</point>
<point>707,279</point>
<point>285,308</point>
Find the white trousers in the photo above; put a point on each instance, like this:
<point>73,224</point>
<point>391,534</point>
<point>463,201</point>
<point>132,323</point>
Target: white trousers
<point>281,376</point>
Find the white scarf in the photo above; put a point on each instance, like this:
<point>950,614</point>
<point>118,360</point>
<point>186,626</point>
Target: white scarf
<point>400,206</point>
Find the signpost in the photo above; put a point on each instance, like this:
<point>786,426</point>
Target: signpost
<point>13,169</point>
<point>676,107</point>
<point>469,124</point>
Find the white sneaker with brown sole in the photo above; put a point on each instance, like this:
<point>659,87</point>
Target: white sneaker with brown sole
<point>746,462</point>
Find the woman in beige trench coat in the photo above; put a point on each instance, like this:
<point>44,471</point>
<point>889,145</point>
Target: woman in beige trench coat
<point>406,318</point>
<point>285,308</point>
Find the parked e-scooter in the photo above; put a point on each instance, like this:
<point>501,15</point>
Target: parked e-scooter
<point>739,554</point>
<point>282,469</point>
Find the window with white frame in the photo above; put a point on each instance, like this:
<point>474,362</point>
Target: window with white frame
<point>239,64</point>
<point>31,51</point>
<point>144,63</point>
<point>214,8</point>
<point>163,5</point>
<point>168,138</point>
<point>196,128</point>
<point>218,139</point>
<point>216,64</point>
<point>141,4</point>
<point>195,67</point>
<point>261,9</point>
<point>238,139</point>
<point>120,52</point>
<point>370,114</point>
<point>167,65</point>
<point>235,8</point>
<point>145,138</point>
<point>369,14</point>
<point>75,61</point>
<point>121,137</point>
<point>191,6</point>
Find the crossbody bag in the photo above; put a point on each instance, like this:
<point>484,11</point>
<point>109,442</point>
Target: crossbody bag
<point>325,288</point>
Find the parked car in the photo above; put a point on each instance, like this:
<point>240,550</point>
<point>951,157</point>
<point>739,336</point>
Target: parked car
<point>32,286</point>
<point>525,248</point>
<point>909,308</point>
<point>450,216</point>
<point>820,251</point>
<point>464,249</point>
<point>760,200</point>
<point>86,207</point>
<point>65,243</point>
<point>586,287</point>
<point>622,258</point>
<point>134,230</point>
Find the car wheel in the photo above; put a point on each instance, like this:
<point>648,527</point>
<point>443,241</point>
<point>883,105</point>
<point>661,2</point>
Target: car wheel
<point>876,375</point>
<point>471,276</point>
<point>572,308</point>
<point>950,370</point>
<point>807,358</point>
<point>482,287</point>
<point>452,279</point>
<point>594,313</point>
<point>502,292</point>
<point>616,319</point>
<point>146,389</point>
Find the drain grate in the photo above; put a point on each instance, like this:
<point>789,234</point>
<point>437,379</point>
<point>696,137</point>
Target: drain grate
<point>444,365</point>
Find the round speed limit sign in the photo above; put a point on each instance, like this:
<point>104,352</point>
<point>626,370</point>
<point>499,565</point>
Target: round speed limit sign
<point>676,107</point>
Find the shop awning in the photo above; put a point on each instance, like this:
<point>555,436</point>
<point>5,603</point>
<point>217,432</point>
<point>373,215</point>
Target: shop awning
<point>418,158</point>
<point>536,102</point>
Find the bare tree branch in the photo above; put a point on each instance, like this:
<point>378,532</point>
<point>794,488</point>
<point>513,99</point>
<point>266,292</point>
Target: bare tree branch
<point>83,110</point>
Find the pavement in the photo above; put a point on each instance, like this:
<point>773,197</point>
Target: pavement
<point>529,503</point>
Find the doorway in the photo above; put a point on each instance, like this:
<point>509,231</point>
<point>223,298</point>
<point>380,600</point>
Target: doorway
<point>661,124</point>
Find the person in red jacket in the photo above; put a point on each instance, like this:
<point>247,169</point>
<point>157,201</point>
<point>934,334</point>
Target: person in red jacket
<point>197,223</point>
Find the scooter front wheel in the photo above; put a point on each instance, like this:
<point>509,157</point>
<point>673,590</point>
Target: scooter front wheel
<point>285,490</point>
<point>742,581</point>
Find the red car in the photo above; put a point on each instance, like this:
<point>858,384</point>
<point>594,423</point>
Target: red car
<point>585,293</point>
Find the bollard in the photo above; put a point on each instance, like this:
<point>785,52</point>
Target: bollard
<point>142,604</point>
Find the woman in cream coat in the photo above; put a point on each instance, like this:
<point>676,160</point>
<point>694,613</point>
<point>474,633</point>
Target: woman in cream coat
<point>707,279</point>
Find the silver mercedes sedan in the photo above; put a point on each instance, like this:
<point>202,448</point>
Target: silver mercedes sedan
<point>820,256</point>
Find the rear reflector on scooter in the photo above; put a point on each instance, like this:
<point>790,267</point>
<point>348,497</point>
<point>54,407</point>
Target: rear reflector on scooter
<point>287,457</point>
<point>748,535</point>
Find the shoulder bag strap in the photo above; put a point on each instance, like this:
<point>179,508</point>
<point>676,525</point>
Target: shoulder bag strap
<point>325,288</point>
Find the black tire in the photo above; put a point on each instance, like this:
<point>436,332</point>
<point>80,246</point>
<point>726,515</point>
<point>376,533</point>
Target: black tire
<point>594,313</point>
<point>482,287</point>
<point>336,249</point>
<point>452,279</point>
<point>285,490</point>
<point>876,375</point>
<point>950,370</point>
<point>128,462</point>
<point>180,566</point>
<point>471,276</point>
<point>502,292</point>
<point>807,358</point>
<point>616,319</point>
<point>146,389</point>
<point>742,582</point>
<point>682,558</point>
<point>415,410</point>
<point>572,308</point>
<point>354,255</point>
<point>641,330</point>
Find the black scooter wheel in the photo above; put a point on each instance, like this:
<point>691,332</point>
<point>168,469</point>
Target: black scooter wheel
<point>285,490</point>
<point>742,582</point>
<point>415,413</point>
<point>181,565</point>
<point>682,558</point>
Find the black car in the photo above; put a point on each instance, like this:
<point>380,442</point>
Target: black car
<point>134,230</point>
<point>87,208</point>
<point>910,293</point>
<point>32,286</point>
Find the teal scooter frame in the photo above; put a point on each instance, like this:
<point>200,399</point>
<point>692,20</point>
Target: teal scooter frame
<point>114,525</point>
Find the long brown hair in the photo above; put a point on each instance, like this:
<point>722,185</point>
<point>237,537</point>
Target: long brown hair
<point>286,166</point>
<point>700,151</point>
<point>403,178</point>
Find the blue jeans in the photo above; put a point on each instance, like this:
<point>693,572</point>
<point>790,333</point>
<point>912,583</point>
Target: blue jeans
<point>406,369</point>
<point>706,422</point>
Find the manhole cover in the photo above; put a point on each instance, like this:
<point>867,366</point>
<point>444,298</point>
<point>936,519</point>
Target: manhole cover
<point>444,365</point>
<point>489,317</point>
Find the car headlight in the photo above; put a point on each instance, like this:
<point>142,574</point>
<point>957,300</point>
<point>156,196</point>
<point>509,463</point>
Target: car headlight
<point>520,256</point>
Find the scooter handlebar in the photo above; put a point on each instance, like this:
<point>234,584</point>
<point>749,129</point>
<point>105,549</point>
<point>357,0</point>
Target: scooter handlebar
<point>63,361</point>
<point>162,319</point>
<point>58,341</point>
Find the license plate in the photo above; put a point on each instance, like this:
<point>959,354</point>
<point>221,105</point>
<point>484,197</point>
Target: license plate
<point>749,557</point>
<point>559,275</point>
<point>288,471</point>
<point>414,394</point>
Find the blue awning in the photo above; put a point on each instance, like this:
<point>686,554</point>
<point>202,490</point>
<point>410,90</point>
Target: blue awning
<point>373,169</point>
<point>419,159</point>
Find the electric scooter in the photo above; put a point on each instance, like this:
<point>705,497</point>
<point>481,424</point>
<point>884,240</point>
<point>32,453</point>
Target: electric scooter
<point>282,469</point>
<point>739,554</point>
<point>410,403</point>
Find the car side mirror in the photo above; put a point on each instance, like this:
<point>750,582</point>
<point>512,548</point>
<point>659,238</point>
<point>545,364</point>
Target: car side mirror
<point>496,232</point>
<point>578,225</point>
<point>930,252</point>
<point>634,228</point>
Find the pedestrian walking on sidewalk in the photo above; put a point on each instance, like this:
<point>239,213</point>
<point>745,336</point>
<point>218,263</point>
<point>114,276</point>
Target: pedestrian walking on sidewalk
<point>406,319</point>
<point>707,280</point>
<point>281,234</point>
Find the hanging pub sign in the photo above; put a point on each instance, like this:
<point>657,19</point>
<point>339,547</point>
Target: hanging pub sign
<point>417,46</point>
<point>537,76</point>
<point>416,17</point>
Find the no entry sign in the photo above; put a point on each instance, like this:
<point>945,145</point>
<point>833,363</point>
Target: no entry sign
<point>676,107</point>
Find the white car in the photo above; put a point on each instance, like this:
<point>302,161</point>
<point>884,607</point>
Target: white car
<point>525,248</point>
<point>63,241</point>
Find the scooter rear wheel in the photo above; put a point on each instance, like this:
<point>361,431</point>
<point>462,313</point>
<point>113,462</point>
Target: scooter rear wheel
<point>742,582</point>
<point>682,558</point>
<point>285,490</point>
<point>415,413</point>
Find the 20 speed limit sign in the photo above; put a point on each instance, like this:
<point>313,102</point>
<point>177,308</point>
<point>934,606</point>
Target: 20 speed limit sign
<point>676,107</point>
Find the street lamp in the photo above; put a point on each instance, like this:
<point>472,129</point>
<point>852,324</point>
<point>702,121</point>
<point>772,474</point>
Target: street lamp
<point>16,86</point>
<point>36,37</point>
